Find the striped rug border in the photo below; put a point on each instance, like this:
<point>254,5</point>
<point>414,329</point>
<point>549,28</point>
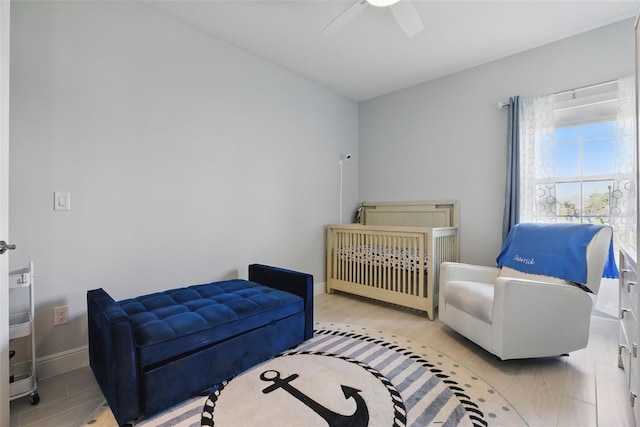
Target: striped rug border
<point>475,414</point>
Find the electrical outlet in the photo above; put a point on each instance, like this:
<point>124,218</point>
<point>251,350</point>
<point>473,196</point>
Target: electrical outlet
<point>60,315</point>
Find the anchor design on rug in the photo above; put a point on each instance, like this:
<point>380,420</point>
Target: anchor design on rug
<point>360,418</point>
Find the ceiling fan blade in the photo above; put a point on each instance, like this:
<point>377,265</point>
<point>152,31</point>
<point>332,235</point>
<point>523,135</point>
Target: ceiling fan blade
<point>407,17</point>
<point>345,17</point>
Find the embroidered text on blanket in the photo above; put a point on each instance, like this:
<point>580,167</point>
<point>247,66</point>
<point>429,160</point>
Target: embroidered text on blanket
<point>530,261</point>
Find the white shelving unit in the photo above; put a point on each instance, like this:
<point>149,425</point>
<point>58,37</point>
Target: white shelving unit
<point>22,380</point>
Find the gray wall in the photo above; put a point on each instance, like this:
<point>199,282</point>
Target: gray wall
<point>446,139</point>
<point>186,159</point>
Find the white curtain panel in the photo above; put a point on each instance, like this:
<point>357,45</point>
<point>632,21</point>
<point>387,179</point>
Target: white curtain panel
<point>623,197</point>
<point>537,159</point>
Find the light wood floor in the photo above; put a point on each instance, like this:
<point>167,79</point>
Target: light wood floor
<point>584,389</point>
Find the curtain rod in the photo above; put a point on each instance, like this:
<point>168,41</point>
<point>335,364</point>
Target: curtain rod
<point>502,105</point>
<point>593,86</point>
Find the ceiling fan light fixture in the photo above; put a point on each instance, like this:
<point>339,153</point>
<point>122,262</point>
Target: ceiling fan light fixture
<point>382,3</point>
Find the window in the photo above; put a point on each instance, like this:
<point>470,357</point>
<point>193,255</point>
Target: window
<point>580,155</point>
<point>572,159</point>
<point>585,173</point>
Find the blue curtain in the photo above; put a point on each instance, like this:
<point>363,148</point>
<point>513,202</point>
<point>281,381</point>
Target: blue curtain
<point>512,196</point>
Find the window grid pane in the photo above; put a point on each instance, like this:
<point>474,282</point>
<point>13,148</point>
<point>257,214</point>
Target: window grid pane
<point>584,175</point>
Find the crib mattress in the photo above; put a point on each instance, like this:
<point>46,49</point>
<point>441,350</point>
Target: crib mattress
<point>383,256</point>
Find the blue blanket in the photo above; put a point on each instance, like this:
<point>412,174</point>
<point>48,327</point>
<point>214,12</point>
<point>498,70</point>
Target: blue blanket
<point>556,250</point>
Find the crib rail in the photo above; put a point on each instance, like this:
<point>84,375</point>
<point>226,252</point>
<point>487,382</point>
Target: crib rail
<point>443,244</point>
<point>399,265</point>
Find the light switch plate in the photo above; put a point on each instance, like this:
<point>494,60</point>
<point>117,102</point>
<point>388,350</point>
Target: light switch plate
<point>61,201</point>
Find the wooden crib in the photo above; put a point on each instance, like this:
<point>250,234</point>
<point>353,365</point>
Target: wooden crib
<point>395,254</point>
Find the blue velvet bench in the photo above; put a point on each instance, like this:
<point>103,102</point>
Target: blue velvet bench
<point>151,352</point>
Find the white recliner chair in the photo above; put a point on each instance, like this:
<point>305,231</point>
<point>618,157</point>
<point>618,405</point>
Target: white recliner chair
<point>518,314</point>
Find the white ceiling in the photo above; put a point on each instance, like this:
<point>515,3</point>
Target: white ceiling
<point>371,56</point>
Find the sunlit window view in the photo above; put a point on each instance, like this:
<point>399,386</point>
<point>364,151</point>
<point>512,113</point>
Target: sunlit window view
<point>584,175</point>
<point>577,158</point>
<point>584,169</point>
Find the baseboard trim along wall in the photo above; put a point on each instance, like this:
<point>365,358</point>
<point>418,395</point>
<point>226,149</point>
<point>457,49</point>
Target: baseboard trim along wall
<point>63,362</point>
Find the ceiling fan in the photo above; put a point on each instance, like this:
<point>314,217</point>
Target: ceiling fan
<point>405,13</point>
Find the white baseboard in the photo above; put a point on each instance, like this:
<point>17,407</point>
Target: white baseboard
<point>319,288</point>
<point>60,363</point>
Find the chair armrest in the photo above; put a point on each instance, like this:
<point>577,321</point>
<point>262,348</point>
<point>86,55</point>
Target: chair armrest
<point>291,281</point>
<point>474,273</point>
<point>536,294</point>
<point>112,355</point>
<point>533,318</point>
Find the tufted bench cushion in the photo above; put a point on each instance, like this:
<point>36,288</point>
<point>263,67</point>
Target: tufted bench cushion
<point>168,324</point>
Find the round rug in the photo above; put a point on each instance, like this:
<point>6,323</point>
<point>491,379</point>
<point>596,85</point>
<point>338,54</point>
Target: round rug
<point>355,376</point>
